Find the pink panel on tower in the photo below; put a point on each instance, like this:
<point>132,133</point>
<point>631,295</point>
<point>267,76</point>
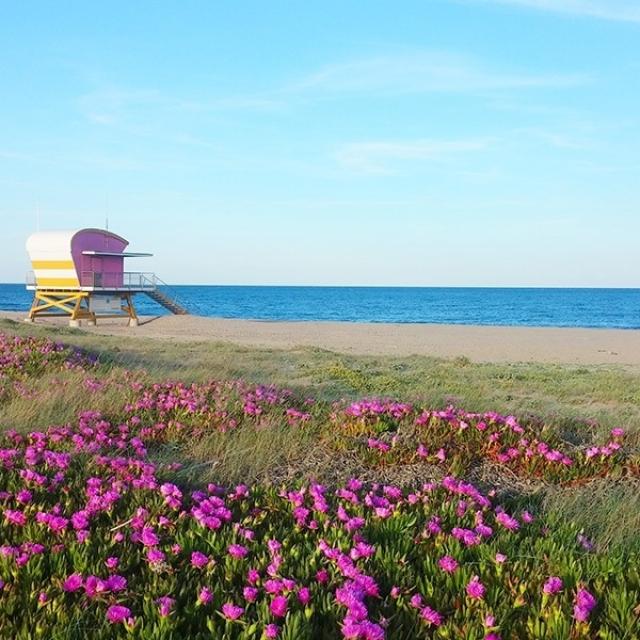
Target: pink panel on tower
<point>98,271</point>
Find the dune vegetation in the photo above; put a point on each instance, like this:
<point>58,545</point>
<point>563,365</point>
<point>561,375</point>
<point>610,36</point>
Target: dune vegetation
<point>155,490</point>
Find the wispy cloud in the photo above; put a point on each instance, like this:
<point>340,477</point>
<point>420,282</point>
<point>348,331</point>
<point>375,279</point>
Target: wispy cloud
<point>394,74</point>
<point>618,10</point>
<point>382,157</point>
<point>108,106</point>
<point>117,105</point>
<point>568,140</point>
<point>423,72</point>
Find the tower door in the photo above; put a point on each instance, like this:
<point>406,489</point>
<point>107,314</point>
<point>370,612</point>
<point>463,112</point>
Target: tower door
<point>97,268</point>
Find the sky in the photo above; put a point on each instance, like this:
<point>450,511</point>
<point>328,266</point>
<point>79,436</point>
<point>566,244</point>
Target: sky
<point>426,143</point>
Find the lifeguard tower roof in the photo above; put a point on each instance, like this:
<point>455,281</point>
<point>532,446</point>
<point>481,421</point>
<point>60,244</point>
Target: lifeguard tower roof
<point>83,260</point>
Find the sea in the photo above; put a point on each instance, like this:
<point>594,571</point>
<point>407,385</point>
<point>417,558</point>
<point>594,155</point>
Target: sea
<point>533,307</point>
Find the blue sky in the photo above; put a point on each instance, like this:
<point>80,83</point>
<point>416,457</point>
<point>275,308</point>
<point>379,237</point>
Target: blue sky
<point>436,142</point>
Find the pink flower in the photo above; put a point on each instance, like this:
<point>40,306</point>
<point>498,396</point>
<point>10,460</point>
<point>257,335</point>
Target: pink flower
<point>250,594</point>
<point>448,564</point>
<point>165,604</point>
<point>507,521</point>
<point>475,588</point>
<point>278,606</point>
<point>205,596</point>
<point>500,558</point>
<point>94,586</point>
<point>271,631</point>
<point>552,585</point>
<point>304,596</point>
<point>199,560</point>
<point>585,543</point>
<point>115,583</point>
<point>322,576</point>
<point>148,537</point>
<point>15,517</point>
<point>585,603</point>
<point>117,613</point>
<point>237,551</point>
<point>24,496</point>
<point>231,611</point>
<point>155,556</point>
<point>72,583</point>
<point>431,617</point>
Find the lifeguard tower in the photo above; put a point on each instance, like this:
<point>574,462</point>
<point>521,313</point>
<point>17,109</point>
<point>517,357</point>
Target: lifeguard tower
<point>80,275</point>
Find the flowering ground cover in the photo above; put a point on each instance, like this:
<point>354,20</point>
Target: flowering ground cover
<point>101,536</point>
<point>25,358</point>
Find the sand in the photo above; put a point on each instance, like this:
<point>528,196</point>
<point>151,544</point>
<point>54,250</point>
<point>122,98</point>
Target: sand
<point>478,343</point>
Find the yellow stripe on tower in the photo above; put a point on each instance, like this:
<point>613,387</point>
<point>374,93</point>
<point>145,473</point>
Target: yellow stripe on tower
<point>57,282</point>
<point>52,264</point>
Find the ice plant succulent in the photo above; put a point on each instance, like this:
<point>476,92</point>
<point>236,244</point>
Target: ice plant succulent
<point>96,530</point>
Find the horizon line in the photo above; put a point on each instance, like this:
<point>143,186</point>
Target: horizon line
<point>385,286</point>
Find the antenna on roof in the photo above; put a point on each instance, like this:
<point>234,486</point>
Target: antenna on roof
<point>106,201</point>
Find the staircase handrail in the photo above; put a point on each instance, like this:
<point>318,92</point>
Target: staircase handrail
<point>170,293</point>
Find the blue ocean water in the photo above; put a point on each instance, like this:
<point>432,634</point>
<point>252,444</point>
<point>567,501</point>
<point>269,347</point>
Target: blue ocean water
<point>619,308</point>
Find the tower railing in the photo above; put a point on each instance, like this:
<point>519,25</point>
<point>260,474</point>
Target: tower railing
<point>107,280</point>
<point>119,280</point>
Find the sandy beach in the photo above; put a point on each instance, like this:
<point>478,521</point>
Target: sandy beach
<point>478,343</point>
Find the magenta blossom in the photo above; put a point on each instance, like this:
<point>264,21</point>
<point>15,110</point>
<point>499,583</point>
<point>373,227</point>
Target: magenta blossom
<point>431,617</point>
<point>199,560</point>
<point>278,606</point>
<point>584,604</point>
<point>507,521</point>
<point>205,596</point>
<point>552,585</point>
<point>15,517</point>
<point>237,551</point>
<point>73,583</point>
<point>448,564</point>
<point>475,588</point>
<point>250,594</point>
<point>304,596</point>
<point>117,613</point>
<point>232,611</point>
<point>148,537</point>
<point>165,604</point>
<point>271,631</point>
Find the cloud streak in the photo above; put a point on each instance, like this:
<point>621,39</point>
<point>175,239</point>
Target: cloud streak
<point>425,72</point>
<point>393,75</point>
<point>115,105</point>
<point>381,157</point>
<point>616,10</point>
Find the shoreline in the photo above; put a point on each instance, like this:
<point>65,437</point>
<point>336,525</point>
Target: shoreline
<point>478,343</point>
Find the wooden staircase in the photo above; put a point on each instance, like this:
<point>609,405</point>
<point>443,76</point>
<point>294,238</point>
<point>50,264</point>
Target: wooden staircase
<point>169,303</point>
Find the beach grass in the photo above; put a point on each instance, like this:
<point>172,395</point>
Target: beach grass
<point>565,396</point>
<point>579,404</point>
<point>548,452</point>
